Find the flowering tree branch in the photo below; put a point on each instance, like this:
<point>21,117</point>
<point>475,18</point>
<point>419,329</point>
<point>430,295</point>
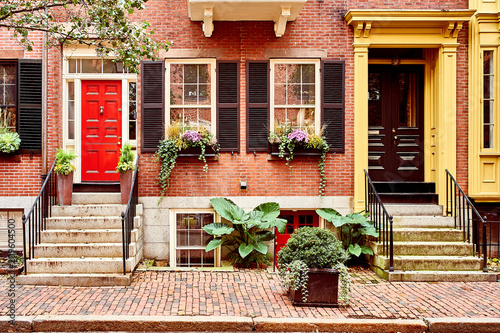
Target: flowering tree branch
<point>105,24</point>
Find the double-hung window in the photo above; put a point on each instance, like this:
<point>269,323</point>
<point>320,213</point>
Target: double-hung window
<point>8,94</point>
<point>21,101</point>
<point>188,240</point>
<point>190,97</point>
<point>295,94</point>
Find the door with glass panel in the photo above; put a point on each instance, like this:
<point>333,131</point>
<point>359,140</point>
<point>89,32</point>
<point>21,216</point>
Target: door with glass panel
<point>396,123</point>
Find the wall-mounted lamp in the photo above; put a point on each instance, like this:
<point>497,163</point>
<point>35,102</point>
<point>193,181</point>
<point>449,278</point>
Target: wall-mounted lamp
<point>243,185</point>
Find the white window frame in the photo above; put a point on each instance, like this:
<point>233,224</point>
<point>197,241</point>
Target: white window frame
<point>173,234</point>
<point>125,78</point>
<point>213,91</point>
<point>317,90</point>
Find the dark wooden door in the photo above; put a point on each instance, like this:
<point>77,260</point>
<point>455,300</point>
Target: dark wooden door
<point>101,129</point>
<point>396,123</point>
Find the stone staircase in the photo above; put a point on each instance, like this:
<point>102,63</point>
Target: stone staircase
<point>82,245</point>
<point>427,248</point>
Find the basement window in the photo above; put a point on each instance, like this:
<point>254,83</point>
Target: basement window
<point>190,240</point>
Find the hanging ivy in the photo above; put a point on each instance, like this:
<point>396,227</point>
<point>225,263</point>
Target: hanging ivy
<point>182,136</point>
<point>288,139</point>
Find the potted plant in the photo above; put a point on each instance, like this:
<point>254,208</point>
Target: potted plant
<point>9,142</point>
<point>285,141</point>
<point>64,170</point>
<point>195,140</point>
<point>247,235</point>
<point>126,169</point>
<point>353,229</point>
<point>310,265</point>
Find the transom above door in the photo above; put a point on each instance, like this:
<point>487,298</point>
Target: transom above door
<point>396,122</point>
<point>101,129</point>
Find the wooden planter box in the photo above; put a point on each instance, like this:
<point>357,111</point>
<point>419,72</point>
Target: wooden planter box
<point>322,288</point>
<point>196,151</point>
<point>297,151</point>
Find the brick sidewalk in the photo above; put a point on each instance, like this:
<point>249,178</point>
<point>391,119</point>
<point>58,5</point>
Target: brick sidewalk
<point>254,293</point>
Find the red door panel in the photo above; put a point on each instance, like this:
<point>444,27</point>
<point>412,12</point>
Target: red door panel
<point>101,129</point>
<point>295,220</point>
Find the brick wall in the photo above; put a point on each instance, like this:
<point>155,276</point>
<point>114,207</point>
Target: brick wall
<point>320,25</point>
<point>20,176</point>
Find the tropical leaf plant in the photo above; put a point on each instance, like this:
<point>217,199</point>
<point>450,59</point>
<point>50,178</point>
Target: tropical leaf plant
<point>353,228</point>
<point>249,231</point>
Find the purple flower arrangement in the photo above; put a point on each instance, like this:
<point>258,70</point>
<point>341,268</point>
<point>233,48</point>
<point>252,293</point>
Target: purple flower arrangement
<point>298,135</point>
<point>192,136</point>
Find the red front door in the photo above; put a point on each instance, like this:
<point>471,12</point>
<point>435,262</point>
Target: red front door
<point>295,220</point>
<point>101,129</point>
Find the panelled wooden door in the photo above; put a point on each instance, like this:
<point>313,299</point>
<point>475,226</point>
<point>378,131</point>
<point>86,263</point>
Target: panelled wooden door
<point>294,220</point>
<point>101,129</point>
<point>396,123</point>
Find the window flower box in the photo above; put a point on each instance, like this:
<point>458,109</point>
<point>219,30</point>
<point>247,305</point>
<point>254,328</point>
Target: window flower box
<point>196,152</point>
<point>297,151</point>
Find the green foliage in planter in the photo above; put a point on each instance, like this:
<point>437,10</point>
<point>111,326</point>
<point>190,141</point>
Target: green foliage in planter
<point>312,248</point>
<point>288,139</point>
<point>63,164</point>
<point>247,236</point>
<point>354,227</point>
<point>126,161</point>
<point>9,142</point>
<point>182,136</point>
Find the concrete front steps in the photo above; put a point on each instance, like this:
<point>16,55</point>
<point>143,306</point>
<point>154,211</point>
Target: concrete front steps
<point>82,245</point>
<point>427,248</point>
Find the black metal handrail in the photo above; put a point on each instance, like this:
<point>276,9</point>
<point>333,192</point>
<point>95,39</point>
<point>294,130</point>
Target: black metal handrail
<point>467,218</point>
<point>382,219</point>
<point>493,237</point>
<point>38,214</point>
<point>129,214</point>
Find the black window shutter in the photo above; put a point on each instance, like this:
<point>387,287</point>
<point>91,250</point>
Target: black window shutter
<point>153,104</point>
<point>29,97</point>
<point>257,106</point>
<point>228,122</point>
<point>333,104</point>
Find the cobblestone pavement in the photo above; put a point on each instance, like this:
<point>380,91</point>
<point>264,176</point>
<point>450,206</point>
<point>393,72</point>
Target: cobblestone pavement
<point>254,293</point>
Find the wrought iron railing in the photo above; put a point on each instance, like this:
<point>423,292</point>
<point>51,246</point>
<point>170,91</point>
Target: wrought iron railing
<point>493,238</point>
<point>381,218</point>
<point>467,218</point>
<point>36,220</point>
<point>129,214</point>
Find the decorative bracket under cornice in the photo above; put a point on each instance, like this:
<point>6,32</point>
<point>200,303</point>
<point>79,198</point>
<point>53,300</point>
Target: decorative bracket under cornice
<point>278,11</point>
<point>208,21</point>
<point>280,22</point>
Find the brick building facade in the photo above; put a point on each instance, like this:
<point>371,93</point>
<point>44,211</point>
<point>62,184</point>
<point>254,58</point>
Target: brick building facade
<point>430,32</point>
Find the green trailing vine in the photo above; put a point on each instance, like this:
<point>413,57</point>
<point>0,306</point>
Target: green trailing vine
<point>182,136</point>
<point>288,139</point>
